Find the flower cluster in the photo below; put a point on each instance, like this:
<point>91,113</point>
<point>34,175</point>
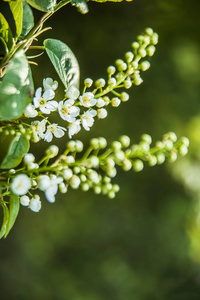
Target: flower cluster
<point>94,170</point>
<point>80,109</point>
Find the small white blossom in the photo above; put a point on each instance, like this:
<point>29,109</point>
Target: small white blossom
<point>55,130</point>
<point>74,128</point>
<point>100,102</point>
<point>67,111</point>
<point>102,113</point>
<point>69,159</point>
<point>30,111</point>
<point>20,184</point>
<point>49,84</point>
<point>24,200</point>
<point>42,101</point>
<point>87,99</point>
<point>72,92</point>
<point>35,203</point>
<point>40,127</point>
<point>88,119</point>
<point>52,189</point>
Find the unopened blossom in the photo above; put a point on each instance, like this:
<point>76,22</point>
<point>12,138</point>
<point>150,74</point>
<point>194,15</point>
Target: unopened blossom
<point>72,92</point>
<point>50,186</point>
<point>35,203</point>
<point>24,200</point>
<point>102,113</point>
<point>20,184</point>
<point>88,119</point>
<point>67,111</point>
<point>44,102</point>
<point>87,99</point>
<point>74,128</point>
<point>74,181</point>
<point>30,111</point>
<point>55,130</point>
<point>100,103</point>
<point>50,84</point>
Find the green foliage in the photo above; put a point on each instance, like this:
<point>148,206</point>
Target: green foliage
<point>6,38</point>
<point>17,11</point>
<point>28,20</point>
<point>13,212</point>
<point>64,61</point>
<point>5,219</point>
<point>43,5</point>
<point>17,149</point>
<point>15,88</point>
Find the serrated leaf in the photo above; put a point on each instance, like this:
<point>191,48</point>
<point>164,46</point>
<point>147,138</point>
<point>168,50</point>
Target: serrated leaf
<point>18,148</point>
<point>17,11</point>
<point>64,62</point>
<point>43,5</point>
<point>5,36</point>
<point>13,212</point>
<point>27,21</point>
<point>15,88</point>
<point>5,220</point>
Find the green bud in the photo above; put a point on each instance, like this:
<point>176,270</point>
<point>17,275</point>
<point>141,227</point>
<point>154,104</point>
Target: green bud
<point>94,143</point>
<point>145,65</point>
<point>100,83</point>
<point>135,45</point>
<point>183,150</point>
<point>126,164</point>
<point>172,156</point>
<point>160,158</point>
<point>112,82</point>
<point>149,31</point>
<point>102,142</point>
<point>134,64</point>
<point>152,160</point>
<point>111,194</point>
<point>85,187</point>
<point>115,188</point>
<point>150,50</point>
<point>142,52</point>
<point>154,38</point>
<point>116,146</point>
<point>97,190</point>
<point>111,70</point>
<point>146,138</point>
<point>79,146</point>
<point>88,82</point>
<point>185,141</point>
<point>124,140</point>
<point>168,145</point>
<point>71,145</point>
<point>127,83</point>
<point>138,165</point>
<point>129,56</point>
<point>124,96</point>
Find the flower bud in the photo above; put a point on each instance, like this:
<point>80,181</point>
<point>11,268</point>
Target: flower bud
<point>52,151</point>
<point>183,150</point>
<point>35,203</point>
<point>129,56</point>
<point>102,113</point>
<point>138,165</point>
<point>102,143</point>
<point>116,146</point>
<point>29,158</point>
<point>74,181</point>
<point>150,50</point>
<point>100,103</point>
<point>67,174</point>
<point>112,82</point>
<point>154,38</point>
<point>124,96</point>
<point>100,83</point>
<point>24,200</point>
<point>142,52</point>
<point>149,31</point>
<point>88,82</point>
<point>145,65</point>
<point>160,158</point>
<point>111,70</point>
<point>79,146</point>
<point>115,102</point>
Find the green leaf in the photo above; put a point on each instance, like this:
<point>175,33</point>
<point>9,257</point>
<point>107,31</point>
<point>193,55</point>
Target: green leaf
<point>5,220</point>
<point>64,61</point>
<point>43,5</point>
<point>15,88</point>
<point>14,210</point>
<point>18,148</point>
<point>101,1</point>
<point>17,11</point>
<point>6,36</point>
<point>28,20</point>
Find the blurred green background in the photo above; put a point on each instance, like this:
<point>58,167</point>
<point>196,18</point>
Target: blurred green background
<point>145,243</point>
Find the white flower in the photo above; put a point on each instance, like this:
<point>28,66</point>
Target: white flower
<point>49,84</point>
<point>100,102</point>
<point>24,200</point>
<point>67,111</point>
<point>20,184</point>
<point>88,119</point>
<point>30,111</point>
<point>74,128</point>
<point>55,130</point>
<point>73,92</point>
<point>102,113</point>
<point>52,189</point>
<point>87,99</point>
<point>40,127</point>
<point>35,203</point>
<point>42,101</point>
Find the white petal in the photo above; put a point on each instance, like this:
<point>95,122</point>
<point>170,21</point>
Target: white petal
<point>48,95</point>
